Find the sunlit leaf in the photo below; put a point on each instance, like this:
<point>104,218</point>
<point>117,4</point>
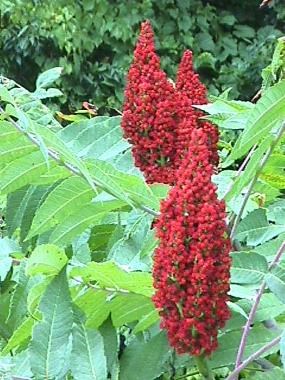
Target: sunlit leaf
<point>46,259</point>
<point>88,361</point>
<point>151,356</point>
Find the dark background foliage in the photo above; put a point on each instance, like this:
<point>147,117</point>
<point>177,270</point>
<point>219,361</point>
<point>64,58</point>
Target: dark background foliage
<point>93,41</point>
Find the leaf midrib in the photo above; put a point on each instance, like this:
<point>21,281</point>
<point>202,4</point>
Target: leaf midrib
<point>89,352</point>
<point>75,225</point>
<point>269,109</point>
<point>51,329</point>
<point>21,174</point>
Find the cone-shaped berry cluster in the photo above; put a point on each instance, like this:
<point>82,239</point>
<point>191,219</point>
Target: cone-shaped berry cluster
<point>192,263</point>
<point>147,119</point>
<point>158,118</point>
<point>188,83</point>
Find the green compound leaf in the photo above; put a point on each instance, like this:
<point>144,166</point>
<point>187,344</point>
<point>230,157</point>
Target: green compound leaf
<point>276,281</point>
<point>273,374</point>
<point>268,111</point>
<point>129,308</point>
<point>248,268</point>
<point>282,349</point>
<point>48,77</point>
<point>255,228</point>
<point>21,207</point>
<point>22,172</point>
<point>88,361</point>
<point>111,340</point>
<point>50,338</point>
<point>246,176</point>
<point>269,307</point>
<point>18,301</point>
<point>110,276</point>
<point>147,321</point>
<point>229,343</point>
<point>87,216</point>
<point>20,335</point>
<point>52,141</point>
<point>99,137</point>
<point>149,356</point>
<point>95,307</point>
<point>16,148</point>
<point>129,188</point>
<point>65,199</point>
<point>7,246</point>
<point>46,259</point>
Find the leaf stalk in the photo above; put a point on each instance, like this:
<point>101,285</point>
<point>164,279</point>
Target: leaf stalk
<point>204,368</point>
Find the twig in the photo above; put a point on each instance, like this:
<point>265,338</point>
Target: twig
<point>277,257</point>
<point>252,183</point>
<point>248,324</point>
<point>106,289</point>
<point>150,210</point>
<point>55,156</point>
<point>193,373</point>
<point>254,308</point>
<point>256,97</point>
<point>252,357</point>
<point>172,365</point>
<point>265,3</point>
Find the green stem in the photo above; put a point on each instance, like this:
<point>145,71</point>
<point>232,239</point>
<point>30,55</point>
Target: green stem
<point>203,367</point>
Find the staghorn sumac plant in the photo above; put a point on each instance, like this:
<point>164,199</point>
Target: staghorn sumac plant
<point>78,245</point>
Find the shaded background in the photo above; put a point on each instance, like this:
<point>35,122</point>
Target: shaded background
<point>93,41</point>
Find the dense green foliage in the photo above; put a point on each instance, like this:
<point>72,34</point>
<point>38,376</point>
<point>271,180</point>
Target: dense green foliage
<point>93,41</point>
<point>76,216</point>
<point>77,242</point>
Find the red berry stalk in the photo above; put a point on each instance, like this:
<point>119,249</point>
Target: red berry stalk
<point>147,121</point>
<point>192,263</point>
<point>188,84</point>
